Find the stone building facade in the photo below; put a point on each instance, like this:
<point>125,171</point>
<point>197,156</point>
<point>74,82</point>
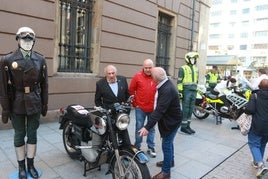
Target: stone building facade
<point>80,37</point>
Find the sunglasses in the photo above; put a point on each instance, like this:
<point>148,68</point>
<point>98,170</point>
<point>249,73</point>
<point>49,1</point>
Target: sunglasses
<point>27,34</point>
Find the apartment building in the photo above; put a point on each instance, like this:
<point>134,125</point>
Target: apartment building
<point>239,28</point>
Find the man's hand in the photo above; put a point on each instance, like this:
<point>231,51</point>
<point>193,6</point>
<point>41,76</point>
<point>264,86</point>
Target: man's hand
<point>5,116</point>
<point>143,131</point>
<point>44,110</point>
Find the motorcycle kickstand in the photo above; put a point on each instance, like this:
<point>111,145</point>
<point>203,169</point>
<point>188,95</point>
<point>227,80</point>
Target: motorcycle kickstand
<point>218,120</point>
<point>85,168</point>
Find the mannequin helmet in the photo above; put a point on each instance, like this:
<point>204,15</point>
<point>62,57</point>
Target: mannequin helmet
<point>25,33</point>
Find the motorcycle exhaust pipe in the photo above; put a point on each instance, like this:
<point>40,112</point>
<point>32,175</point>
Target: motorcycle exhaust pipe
<point>204,110</point>
<point>83,147</point>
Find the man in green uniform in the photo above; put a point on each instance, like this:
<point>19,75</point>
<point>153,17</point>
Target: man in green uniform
<point>24,96</point>
<point>187,85</point>
<point>212,78</point>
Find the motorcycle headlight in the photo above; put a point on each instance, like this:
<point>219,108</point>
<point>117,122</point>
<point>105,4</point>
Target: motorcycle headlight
<point>122,121</point>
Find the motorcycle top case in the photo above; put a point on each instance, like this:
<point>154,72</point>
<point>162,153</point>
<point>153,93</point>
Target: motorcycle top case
<point>79,115</point>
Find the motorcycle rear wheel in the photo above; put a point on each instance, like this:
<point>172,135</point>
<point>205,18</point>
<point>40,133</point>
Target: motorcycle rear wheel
<point>200,114</point>
<point>69,141</point>
<point>133,169</point>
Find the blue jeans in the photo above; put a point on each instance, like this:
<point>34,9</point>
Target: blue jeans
<point>168,151</point>
<point>140,120</point>
<point>257,146</point>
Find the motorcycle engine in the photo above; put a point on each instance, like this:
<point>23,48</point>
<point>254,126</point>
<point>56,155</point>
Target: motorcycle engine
<point>89,149</point>
<point>224,109</point>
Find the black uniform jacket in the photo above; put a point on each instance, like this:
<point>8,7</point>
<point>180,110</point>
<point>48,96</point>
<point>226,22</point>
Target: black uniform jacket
<point>23,83</point>
<point>168,111</point>
<point>104,95</point>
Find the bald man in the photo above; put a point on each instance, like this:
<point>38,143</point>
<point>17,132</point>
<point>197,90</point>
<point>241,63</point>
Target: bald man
<point>110,89</point>
<point>168,115</point>
<point>143,88</point>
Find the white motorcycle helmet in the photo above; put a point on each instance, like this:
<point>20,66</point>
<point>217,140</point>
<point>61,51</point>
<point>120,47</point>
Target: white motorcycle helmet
<point>191,57</point>
<point>26,38</point>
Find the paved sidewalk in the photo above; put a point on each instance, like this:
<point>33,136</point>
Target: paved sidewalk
<point>214,152</point>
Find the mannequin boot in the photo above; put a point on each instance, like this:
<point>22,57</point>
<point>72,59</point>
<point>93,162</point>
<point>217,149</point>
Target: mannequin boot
<point>20,154</point>
<point>31,169</point>
<point>31,150</point>
<point>22,170</point>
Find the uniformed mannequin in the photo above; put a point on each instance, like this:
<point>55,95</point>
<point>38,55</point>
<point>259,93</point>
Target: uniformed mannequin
<point>24,96</point>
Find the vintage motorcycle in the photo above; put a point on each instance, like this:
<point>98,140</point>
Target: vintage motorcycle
<point>229,103</point>
<point>98,136</point>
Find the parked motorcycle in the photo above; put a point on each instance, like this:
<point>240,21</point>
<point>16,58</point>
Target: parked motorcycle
<point>228,103</point>
<point>99,136</point>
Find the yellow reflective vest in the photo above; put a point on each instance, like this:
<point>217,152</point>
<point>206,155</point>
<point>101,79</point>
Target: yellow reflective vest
<point>190,76</point>
<point>212,78</point>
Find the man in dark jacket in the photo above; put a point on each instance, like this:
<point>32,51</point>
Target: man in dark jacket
<point>23,96</point>
<point>110,89</point>
<point>168,115</point>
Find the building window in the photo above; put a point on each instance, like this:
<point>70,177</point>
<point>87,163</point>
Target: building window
<point>233,12</point>
<point>215,13</point>
<point>245,23</point>
<point>230,47</point>
<point>245,11</point>
<point>216,2</point>
<point>75,35</point>
<point>261,33</point>
<point>262,7</point>
<point>214,25</point>
<point>243,47</point>
<point>233,1</point>
<point>214,36</point>
<point>260,46</point>
<point>213,47</point>
<point>163,41</point>
<point>231,36</point>
<point>232,24</point>
<point>244,35</point>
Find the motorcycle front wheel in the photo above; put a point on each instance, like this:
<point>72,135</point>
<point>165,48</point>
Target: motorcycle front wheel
<point>132,168</point>
<point>199,114</point>
<point>70,141</point>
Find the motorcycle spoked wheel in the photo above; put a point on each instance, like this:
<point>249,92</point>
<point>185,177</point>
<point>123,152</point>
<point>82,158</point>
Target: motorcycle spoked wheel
<point>133,169</point>
<point>200,114</point>
<point>69,141</point>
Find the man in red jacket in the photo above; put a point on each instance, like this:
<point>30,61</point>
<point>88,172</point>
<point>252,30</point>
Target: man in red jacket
<point>143,88</point>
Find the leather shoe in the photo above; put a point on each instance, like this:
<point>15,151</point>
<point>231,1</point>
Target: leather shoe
<point>22,172</point>
<point>33,172</point>
<point>191,130</point>
<point>186,130</point>
<point>160,164</point>
<point>162,175</point>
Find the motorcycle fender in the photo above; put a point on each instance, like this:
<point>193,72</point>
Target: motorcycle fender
<point>62,121</point>
<point>140,155</point>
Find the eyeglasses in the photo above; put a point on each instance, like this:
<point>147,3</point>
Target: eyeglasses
<point>27,34</point>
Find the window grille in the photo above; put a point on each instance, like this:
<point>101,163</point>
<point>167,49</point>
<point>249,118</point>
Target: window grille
<point>163,42</point>
<point>75,36</point>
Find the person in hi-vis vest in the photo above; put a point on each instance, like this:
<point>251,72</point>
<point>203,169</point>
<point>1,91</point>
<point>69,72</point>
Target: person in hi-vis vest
<point>212,78</point>
<point>187,85</point>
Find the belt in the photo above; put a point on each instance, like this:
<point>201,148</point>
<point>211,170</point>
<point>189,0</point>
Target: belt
<point>28,89</point>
